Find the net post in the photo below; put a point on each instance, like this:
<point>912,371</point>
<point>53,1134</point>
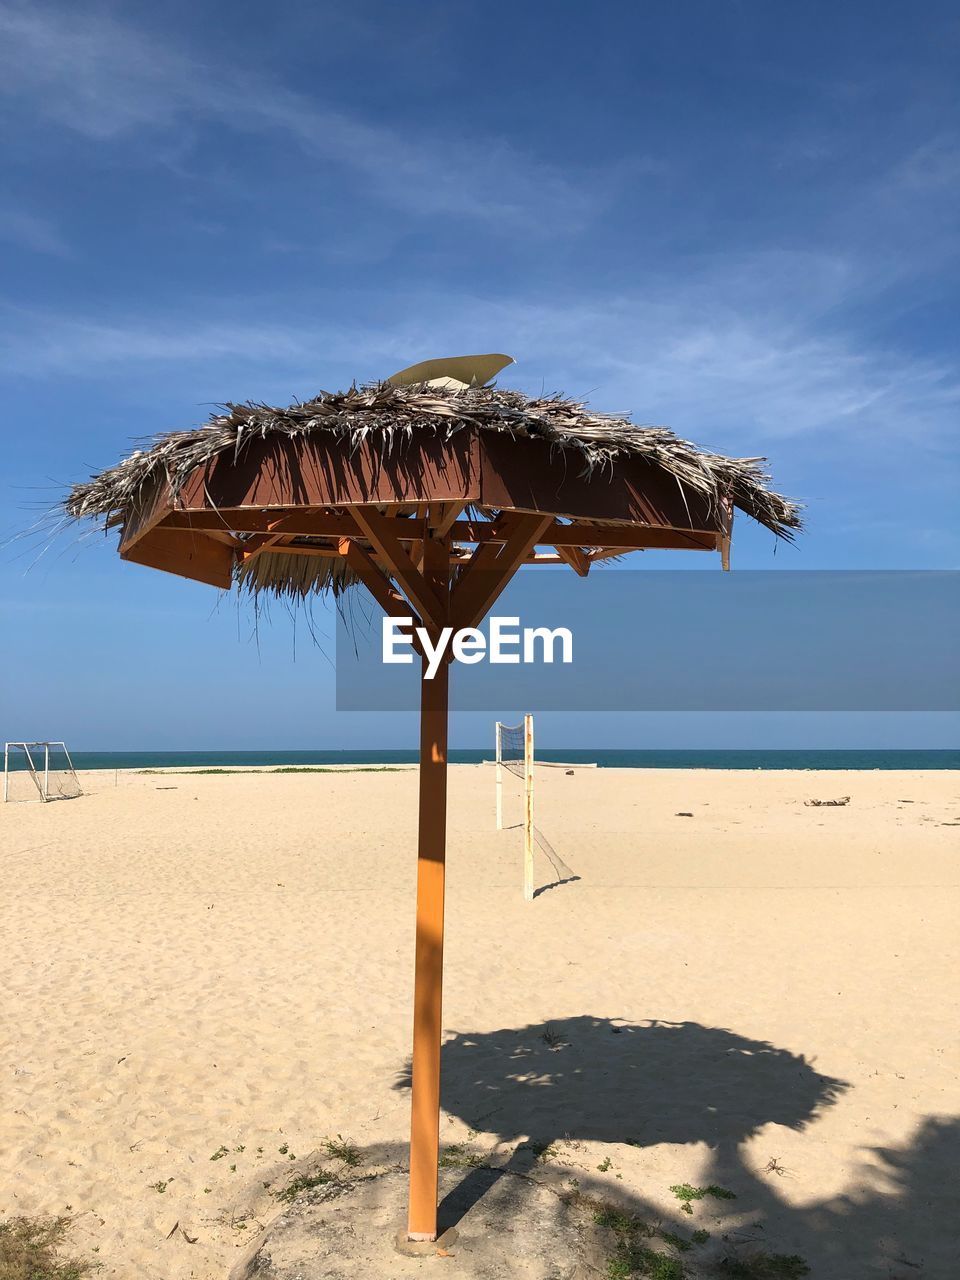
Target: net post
<point>46,771</point>
<point>499,776</point>
<point>528,808</point>
<point>6,772</point>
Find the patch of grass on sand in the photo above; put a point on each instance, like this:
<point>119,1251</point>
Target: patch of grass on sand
<point>686,1194</point>
<point>621,1223</point>
<point>541,1150</point>
<point>766,1266</point>
<point>677,1241</point>
<point>302,1182</point>
<point>342,1149</point>
<point>636,1260</point>
<point>633,1257</point>
<point>343,768</point>
<point>684,1191</point>
<point>29,1251</point>
<point>458,1157</point>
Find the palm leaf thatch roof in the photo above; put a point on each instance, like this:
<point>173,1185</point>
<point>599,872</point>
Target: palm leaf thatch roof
<point>389,417</point>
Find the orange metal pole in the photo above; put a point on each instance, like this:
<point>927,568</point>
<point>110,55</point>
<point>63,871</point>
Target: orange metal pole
<point>428,981</point>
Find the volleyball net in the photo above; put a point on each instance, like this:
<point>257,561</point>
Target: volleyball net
<point>511,748</point>
<point>515,761</point>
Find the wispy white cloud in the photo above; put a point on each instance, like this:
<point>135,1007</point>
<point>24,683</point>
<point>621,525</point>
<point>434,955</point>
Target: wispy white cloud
<point>80,346</point>
<point>908,218</point>
<point>103,79</point>
<point>87,72</point>
<point>719,358</point>
<point>33,232</point>
<point>933,167</point>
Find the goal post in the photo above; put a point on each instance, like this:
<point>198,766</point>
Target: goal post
<point>43,767</point>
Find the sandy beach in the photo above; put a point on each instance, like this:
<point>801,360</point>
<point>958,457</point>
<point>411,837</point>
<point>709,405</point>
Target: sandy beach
<point>206,978</point>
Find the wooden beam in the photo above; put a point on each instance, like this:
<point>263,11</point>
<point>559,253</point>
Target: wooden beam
<point>490,569</point>
<point>275,531</point>
<point>575,558</point>
<point>309,524</point>
<point>258,543</point>
<point>187,554</point>
<point>331,551</point>
<point>458,556</point>
<point>605,553</point>
<point>583,533</point>
<point>450,513</point>
<point>485,553</point>
<point>526,474</point>
<point>327,551</point>
<point>376,581</point>
<point>148,512</point>
<point>227,539</point>
<point>379,532</point>
<point>206,521</point>
<point>725,538</point>
<point>322,468</point>
<point>303,523</point>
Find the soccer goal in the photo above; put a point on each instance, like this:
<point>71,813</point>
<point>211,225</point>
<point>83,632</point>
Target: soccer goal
<point>38,771</point>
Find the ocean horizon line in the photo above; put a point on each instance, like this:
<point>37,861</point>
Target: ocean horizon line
<point>837,758</point>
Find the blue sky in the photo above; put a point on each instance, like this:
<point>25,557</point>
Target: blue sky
<point>737,219</point>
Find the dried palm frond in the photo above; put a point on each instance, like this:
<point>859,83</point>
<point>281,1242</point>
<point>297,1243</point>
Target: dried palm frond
<point>392,415</point>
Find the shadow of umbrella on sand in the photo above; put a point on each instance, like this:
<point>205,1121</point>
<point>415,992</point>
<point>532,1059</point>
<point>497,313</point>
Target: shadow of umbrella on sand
<point>597,1079</point>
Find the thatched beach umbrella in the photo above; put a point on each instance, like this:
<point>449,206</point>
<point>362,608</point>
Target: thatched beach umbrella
<point>431,490</point>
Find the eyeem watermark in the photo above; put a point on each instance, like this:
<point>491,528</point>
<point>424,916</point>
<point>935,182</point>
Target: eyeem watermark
<point>507,644</point>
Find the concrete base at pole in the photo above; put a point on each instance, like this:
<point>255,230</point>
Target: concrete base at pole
<point>507,1225</point>
<point>412,1248</point>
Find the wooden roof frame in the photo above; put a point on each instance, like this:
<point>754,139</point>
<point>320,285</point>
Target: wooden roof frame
<point>305,495</point>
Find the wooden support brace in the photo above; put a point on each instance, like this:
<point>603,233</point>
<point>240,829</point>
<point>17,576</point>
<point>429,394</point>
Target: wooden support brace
<point>605,553</point>
<point>375,580</point>
<point>325,523</point>
<point>725,538</point>
<point>574,557</point>
<point>447,519</point>
<point>491,568</point>
<point>382,537</point>
<point>588,533</point>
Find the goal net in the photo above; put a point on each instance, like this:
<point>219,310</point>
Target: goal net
<point>38,771</point>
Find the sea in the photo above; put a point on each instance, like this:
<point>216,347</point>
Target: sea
<point>606,758</point>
